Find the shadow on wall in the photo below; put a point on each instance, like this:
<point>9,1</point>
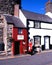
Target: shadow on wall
<point>2,46</point>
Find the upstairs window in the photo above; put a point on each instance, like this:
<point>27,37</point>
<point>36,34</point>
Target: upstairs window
<point>37,24</point>
<point>19,31</point>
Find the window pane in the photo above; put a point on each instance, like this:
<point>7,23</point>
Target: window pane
<point>19,31</point>
<point>37,24</point>
<point>37,41</point>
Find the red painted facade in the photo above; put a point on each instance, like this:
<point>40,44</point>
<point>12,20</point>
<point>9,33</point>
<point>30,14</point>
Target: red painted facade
<point>21,43</point>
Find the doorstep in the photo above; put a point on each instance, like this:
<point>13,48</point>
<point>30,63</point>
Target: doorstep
<point>45,51</point>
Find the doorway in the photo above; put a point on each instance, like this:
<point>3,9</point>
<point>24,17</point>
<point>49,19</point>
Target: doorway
<point>47,42</point>
<point>17,47</point>
<point>1,40</point>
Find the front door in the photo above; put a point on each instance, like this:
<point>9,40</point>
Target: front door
<point>17,48</point>
<point>47,42</point>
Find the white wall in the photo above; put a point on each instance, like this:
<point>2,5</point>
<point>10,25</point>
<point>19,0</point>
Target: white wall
<point>31,23</point>
<point>46,25</point>
<point>46,30</point>
<point>43,25</point>
<point>42,33</point>
<point>22,18</point>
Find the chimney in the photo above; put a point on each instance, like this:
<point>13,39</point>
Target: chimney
<point>49,6</point>
<point>16,10</point>
<point>17,6</point>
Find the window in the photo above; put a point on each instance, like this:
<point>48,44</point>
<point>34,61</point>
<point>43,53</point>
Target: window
<point>19,31</point>
<point>37,40</point>
<point>37,24</point>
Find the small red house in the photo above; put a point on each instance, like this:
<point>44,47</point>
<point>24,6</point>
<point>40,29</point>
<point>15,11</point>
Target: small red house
<point>20,40</point>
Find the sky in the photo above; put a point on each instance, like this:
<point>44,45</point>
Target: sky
<point>37,6</point>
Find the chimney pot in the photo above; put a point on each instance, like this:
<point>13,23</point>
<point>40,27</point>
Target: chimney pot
<point>16,10</point>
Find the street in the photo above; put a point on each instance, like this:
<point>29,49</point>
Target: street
<point>37,59</point>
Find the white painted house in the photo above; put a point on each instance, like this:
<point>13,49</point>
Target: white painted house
<point>39,27</point>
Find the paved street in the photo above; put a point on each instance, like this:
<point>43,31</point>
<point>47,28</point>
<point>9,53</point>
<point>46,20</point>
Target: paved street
<point>37,59</point>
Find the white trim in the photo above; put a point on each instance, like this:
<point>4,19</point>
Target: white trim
<point>23,18</point>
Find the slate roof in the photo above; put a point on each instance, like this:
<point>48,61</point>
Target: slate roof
<point>13,20</point>
<point>36,16</point>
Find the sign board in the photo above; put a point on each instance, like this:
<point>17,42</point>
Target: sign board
<point>20,37</point>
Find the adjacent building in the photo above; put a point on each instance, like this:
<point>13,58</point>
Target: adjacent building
<point>39,27</point>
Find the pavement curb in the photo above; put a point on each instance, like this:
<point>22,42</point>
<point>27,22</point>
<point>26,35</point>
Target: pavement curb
<point>10,57</point>
<point>17,56</point>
